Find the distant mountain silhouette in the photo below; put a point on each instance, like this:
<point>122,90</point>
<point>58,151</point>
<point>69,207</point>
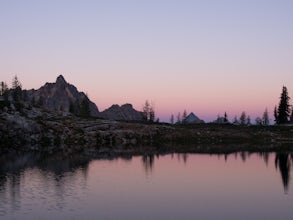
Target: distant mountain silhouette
<point>124,112</point>
<point>62,96</point>
<point>193,119</point>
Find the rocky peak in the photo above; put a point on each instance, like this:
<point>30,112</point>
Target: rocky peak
<point>127,106</point>
<point>60,80</point>
<point>124,112</point>
<point>193,119</point>
<point>62,96</point>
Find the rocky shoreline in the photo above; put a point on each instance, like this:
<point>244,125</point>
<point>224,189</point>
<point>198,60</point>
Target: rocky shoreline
<point>37,130</point>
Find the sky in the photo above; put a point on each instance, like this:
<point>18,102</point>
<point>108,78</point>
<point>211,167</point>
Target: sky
<point>206,57</point>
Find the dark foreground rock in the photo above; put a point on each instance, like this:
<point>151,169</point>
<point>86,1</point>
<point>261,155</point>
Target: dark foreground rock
<point>36,130</point>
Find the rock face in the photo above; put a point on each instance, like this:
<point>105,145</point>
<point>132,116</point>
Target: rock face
<point>38,130</point>
<point>124,112</point>
<point>62,96</point>
<point>193,119</point>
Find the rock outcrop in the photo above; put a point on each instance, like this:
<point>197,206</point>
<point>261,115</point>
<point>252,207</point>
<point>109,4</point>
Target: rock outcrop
<point>62,96</point>
<point>37,130</point>
<point>124,112</point>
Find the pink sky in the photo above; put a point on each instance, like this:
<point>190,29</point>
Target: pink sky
<point>205,57</point>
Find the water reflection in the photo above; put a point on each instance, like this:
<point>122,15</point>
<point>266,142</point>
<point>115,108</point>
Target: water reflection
<point>283,161</point>
<point>29,180</point>
<point>148,163</point>
<point>12,167</point>
<point>52,174</point>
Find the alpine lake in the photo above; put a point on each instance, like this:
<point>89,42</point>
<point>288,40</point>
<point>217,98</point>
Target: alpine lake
<point>171,186</point>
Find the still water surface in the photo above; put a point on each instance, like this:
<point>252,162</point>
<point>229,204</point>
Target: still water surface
<point>175,186</point>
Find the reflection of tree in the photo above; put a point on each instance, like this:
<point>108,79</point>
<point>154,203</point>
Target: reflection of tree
<point>243,156</point>
<point>12,169</point>
<point>148,163</point>
<point>184,157</point>
<point>266,158</point>
<point>283,162</point>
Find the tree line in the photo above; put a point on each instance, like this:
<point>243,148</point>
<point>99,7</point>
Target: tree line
<point>283,114</point>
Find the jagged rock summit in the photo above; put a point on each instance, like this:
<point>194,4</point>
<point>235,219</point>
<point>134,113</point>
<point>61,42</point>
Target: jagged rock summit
<point>124,112</point>
<point>60,80</point>
<point>62,96</point>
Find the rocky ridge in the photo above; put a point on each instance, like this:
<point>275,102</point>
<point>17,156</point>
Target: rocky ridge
<point>64,97</point>
<point>61,96</point>
<point>125,112</point>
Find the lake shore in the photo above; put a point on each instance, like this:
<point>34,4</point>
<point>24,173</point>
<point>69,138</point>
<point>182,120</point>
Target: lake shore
<point>53,133</point>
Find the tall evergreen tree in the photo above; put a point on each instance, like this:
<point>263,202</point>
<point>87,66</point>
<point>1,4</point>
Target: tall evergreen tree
<point>172,119</point>
<point>16,89</point>
<point>146,110</point>
<point>184,116</point>
<point>152,114</point>
<point>243,118</point>
<point>265,117</point>
<point>3,88</point>
<point>284,107</point>
<point>226,118</point>
<point>276,115</point>
<point>178,118</point>
<point>15,82</point>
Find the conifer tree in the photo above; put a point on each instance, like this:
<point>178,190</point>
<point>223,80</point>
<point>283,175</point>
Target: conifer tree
<point>265,117</point>
<point>17,89</point>
<point>178,118</point>
<point>284,107</point>
<point>152,114</point>
<point>172,119</point>
<point>15,83</point>
<point>4,88</point>
<point>276,115</point>
<point>225,118</point>
<point>243,118</point>
<point>184,116</point>
<point>148,112</point>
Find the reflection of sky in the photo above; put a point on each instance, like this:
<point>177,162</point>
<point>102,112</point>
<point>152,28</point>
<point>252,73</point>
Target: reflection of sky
<point>178,186</point>
<point>205,56</point>
<point>164,187</point>
<point>206,187</point>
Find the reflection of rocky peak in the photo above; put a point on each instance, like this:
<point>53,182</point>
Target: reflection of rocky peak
<point>123,112</point>
<point>62,96</point>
